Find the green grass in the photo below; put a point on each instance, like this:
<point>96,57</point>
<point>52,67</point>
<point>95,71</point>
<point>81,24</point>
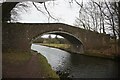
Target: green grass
<point>46,68</point>
<point>63,46</point>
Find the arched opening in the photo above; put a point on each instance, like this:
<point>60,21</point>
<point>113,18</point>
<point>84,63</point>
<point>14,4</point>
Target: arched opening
<point>72,42</point>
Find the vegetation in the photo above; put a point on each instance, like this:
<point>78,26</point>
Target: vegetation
<point>99,16</point>
<point>51,40</point>
<point>46,68</point>
<point>18,59</point>
<point>62,46</point>
<point>56,42</point>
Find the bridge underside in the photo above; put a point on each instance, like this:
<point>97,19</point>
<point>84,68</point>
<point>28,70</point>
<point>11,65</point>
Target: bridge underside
<point>76,44</point>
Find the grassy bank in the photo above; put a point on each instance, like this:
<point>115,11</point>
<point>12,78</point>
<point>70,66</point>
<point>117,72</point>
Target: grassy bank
<point>46,68</point>
<point>62,46</point>
<point>17,61</point>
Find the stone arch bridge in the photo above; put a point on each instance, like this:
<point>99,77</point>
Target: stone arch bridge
<point>18,36</point>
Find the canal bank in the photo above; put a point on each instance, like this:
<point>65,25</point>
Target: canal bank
<point>26,65</point>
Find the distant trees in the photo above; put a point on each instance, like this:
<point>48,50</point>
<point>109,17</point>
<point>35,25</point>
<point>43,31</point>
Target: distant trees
<point>51,40</point>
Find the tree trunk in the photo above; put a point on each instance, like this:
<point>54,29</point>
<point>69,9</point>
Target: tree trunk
<point>6,9</point>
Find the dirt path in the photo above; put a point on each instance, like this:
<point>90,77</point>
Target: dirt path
<point>29,70</point>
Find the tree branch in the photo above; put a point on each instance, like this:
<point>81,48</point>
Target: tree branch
<point>38,8</point>
<point>49,12</point>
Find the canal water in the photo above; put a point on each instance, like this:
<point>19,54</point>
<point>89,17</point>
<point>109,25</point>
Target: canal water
<point>76,65</point>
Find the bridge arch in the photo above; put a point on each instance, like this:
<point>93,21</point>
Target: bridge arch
<point>77,45</point>
<point>18,36</point>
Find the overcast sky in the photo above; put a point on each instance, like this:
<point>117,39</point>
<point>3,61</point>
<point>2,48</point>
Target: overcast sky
<point>60,9</point>
<point>63,10</point>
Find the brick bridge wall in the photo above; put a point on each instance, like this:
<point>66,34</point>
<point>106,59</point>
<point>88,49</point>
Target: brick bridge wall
<point>18,36</point>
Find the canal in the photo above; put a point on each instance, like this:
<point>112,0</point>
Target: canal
<point>76,65</point>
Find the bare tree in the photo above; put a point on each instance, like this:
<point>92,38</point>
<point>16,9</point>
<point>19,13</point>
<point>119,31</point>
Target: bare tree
<point>111,18</point>
<point>116,8</point>
<point>101,16</point>
<point>89,15</point>
<point>84,16</point>
<point>49,14</point>
<point>9,7</point>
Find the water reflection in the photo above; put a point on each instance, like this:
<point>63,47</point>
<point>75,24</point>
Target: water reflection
<point>78,66</point>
